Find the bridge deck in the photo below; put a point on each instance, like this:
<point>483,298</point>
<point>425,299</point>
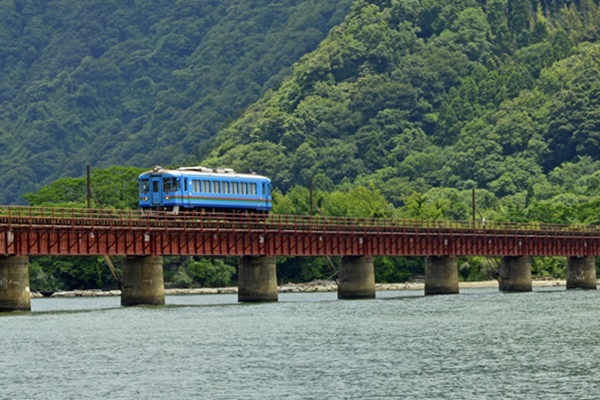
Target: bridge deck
<point>53,231</point>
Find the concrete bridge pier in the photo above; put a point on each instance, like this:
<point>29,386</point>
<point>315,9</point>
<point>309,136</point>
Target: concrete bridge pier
<point>441,275</point>
<point>14,284</point>
<point>143,282</point>
<point>257,279</point>
<point>356,278</point>
<point>581,272</point>
<point>515,274</point>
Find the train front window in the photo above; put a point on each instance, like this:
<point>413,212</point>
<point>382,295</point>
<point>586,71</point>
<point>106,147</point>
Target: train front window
<point>144,188</point>
<point>167,184</point>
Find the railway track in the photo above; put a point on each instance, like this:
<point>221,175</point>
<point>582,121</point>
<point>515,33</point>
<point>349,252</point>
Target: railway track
<point>16,217</point>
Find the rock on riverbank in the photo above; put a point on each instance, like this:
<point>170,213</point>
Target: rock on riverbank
<point>310,287</point>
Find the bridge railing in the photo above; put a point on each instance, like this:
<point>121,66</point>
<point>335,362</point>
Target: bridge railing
<point>92,216</point>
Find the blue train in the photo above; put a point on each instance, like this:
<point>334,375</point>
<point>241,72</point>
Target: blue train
<point>204,189</point>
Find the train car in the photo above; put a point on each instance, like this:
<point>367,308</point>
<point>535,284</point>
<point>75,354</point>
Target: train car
<point>204,189</point>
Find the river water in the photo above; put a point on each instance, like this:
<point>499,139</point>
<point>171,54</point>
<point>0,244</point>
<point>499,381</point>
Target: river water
<point>480,344</point>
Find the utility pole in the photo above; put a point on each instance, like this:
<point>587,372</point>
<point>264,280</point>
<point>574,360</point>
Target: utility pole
<point>473,204</point>
<point>311,196</point>
<point>89,188</point>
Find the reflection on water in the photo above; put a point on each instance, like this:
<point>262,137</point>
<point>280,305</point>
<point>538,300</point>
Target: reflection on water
<point>481,344</point>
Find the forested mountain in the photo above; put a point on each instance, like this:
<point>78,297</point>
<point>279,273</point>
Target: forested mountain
<point>137,82</point>
<point>405,108</point>
<point>439,97</point>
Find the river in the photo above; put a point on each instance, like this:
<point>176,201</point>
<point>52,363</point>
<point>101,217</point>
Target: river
<point>480,344</point>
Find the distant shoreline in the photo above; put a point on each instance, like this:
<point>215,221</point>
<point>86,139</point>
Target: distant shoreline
<point>310,287</point>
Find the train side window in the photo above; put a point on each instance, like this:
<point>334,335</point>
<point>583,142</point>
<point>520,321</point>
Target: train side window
<point>253,188</point>
<point>226,187</point>
<point>234,188</point>
<point>185,185</point>
<point>175,184</point>
<point>206,186</point>
<point>215,187</point>
<point>243,188</point>
<point>196,186</point>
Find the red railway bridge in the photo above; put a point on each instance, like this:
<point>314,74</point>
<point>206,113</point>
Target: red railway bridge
<point>143,239</point>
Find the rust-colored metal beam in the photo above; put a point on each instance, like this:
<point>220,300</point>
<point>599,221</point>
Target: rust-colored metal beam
<point>48,231</point>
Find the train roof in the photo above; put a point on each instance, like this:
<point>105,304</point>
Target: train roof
<point>200,171</point>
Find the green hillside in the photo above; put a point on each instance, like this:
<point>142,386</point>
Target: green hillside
<point>438,98</point>
<point>405,109</point>
<point>135,82</point>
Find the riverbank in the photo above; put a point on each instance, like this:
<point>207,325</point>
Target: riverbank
<point>310,287</point>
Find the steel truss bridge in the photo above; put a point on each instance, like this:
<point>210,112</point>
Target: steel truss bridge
<point>54,231</point>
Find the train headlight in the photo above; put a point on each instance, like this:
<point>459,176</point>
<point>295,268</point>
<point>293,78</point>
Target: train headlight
<point>167,197</point>
<point>145,198</point>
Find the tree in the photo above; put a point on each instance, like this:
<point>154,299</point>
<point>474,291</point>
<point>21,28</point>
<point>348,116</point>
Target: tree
<point>518,19</point>
<point>114,187</point>
<point>357,202</point>
<point>419,206</point>
<point>210,272</point>
<point>468,34</point>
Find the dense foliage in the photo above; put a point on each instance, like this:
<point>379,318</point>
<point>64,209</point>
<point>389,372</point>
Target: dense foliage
<point>402,110</point>
<point>412,96</point>
<point>135,82</point>
<point>426,101</point>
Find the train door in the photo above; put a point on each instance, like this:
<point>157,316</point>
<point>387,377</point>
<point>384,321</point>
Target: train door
<point>186,195</point>
<point>156,190</point>
<point>265,195</point>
